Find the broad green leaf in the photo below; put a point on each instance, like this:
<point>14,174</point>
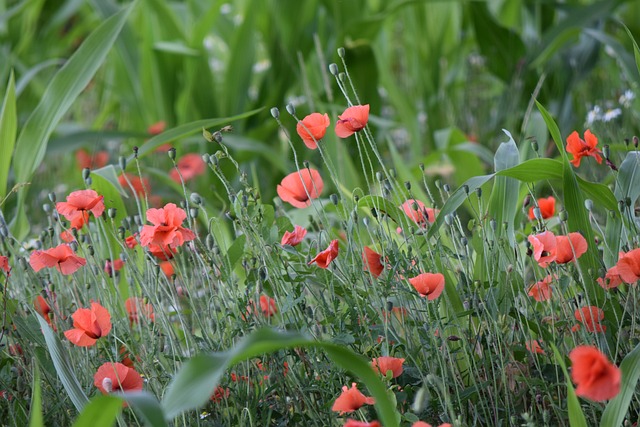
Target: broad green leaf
<point>616,410</point>
<point>64,369</point>
<point>195,382</point>
<point>35,419</point>
<point>101,411</point>
<point>8,129</point>
<point>576,416</point>
<point>147,406</point>
<point>382,205</point>
<point>60,94</point>
<point>636,49</point>
<point>503,203</point>
<point>175,47</point>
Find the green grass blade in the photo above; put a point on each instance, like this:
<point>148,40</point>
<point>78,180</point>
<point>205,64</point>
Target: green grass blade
<point>636,49</point>
<point>60,94</point>
<point>147,406</point>
<point>8,129</point>
<point>616,410</point>
<point>101,411</point>
<point>35,419</point>
<point>576,416</point>
<point>196,381</point>
<point>65,371</point>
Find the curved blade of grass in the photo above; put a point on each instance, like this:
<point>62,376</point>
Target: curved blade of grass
<point>627,185</point>
<point>147,406</point>
<point>8,129</point>
<point>60,94</point>
<point>35,418</point>
<point>636,49</point>
<point>63,366</point>
<point>505,192</point>
<point>576,416</point>
<point>195,382</point>
<point>616,410</point>
<point>101,411</point>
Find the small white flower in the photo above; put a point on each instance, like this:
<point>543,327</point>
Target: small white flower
<point>626,98</point>
<point>594,115</point>
<point>611,114</point>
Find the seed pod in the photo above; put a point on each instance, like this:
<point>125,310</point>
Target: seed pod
<point>333,69</point>
<point>275,113</point>
<point>291,109</point>
<point>196,199</point>
<point>341,52</point>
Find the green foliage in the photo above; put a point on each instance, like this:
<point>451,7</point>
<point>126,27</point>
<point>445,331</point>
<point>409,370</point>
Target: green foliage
<point>617,409</point>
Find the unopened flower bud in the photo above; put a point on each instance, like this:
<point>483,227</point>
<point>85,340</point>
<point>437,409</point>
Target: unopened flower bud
<point>85,173</point>
<point>588,204</point>
<point>407,185</point>
<point>334,199</point>
<point>606,152</point>
<point>88,181</point>
<point>534,145</point>
<point>526,202</point>
<point>52,197</point>
<point>342,76</point>
<point>275,112</point>
<point>465,188</point>
<point>74,245</point>
<point>421,165</point>
<point>479,192</point>
<point>193,212</point>
<point>333,69</point>
<point>135,151</point>
<point>172,153</point>
<point>635,141</point>
<point>263,274</point>
<point>537,214</point>
<point>112,212</point>
<point>195,199</point>
<point>341,52</point>
<point>122,161</point>
<point>46,207</point>
<point>392,172</point>
<point>291,109</point>
<point>563,215</point>
<point>446,188</point>
<point>206,158</point>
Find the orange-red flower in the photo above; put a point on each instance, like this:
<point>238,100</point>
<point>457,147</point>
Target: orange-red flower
<point>324,258</point>
<point>219,394</point>
<point>547,208</point>
<point>43,308</point>
<point>167,230</point>
<point>190,166</point>
<point>163,253</point>
<point>581,148</point>
<point>268,306</point>
<point>131,241</point>
<point>423,424</point>
<point>595,376</point>
<point>299,188</point>
<point>351,400</point>
<point>611,280</point>
<point>428,285</point>
<point>111,267</point>
<point>418,212</point>
<point>112,377</point>
<point>4,265</point>
<point>89,324</point>
<point>541,291</point>
<point>544,247</point>
<point>61,257</point>
<point>371,261</point>
<point>167,268</point>
<point>139,185</point>
<point>629,266</point>
<point>387,363</point>
<point>312,129</point>
<point>356,423</point>
<point>353,119</point>
<point>567,246</point>
<point>591,317</point>
<point>78,205</point>
<point>156,128</point>
<point>91,161</point>
<point>136,307</point>
<point>534,347</point>
<point>293,238</point>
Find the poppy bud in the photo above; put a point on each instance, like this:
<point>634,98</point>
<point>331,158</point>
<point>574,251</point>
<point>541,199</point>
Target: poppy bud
<point>137,220</point>
<point>606,152</point>
<point>407,185</point>
<point>356,198</point>
<point>89,249</point>
<point>534,145</point>
<point>419,401</point>
<point>612,213</point>
<point>635,141</point>
<point>526,202</point>
<point>196,199</point>
<point>46,208</point>
<point>392,172</point>
<point>389,305</point>
<point>537,214</point>
<point>341,52</point>
<point>588,204</point>
<point>214,159</point>
<point>112,212</point>
<point>438,184</point>
<point>306,164</point>
<point>334,199</point>
<point>206,158</point>
<point>193,212</point>
<point>354,216</point>
<point>626,142</point>
<point>465,188</point>
<point>172,153</point>
<point>365,221</point>
<point>446,188</point>
<point>494,224</point>
<point>217,137</point>
<point>52,197</point>
<point>448,219</point>
<point>275,113</point>
<point>464,241</point>
<point>244,201</point>
<point>122,161</point>
<point>263,274</point>
<point>291,109</point>
<point>135,151</point>
<point>342,77</point>
<point>85,173</point>
<point>333,69</point>
<point>74,246</point>
<point>627,201</point>
<point>121,232</point>
<point>379,176</point>
<point>563,215</point>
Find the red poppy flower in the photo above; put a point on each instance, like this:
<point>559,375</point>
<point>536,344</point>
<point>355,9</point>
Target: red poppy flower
<point>163,253</point>
<point>353,119</point>
<point>139,185</point>
<point>167,268</point>
<point>219,394</point>
<point>418,212</point>
<point>428,285</point>
<point>112,377</point>
<point>386,363</point>
<point>299,188</point>
<point>324,258</point>
<point>131,241</point>
<point>4,265</point>
<point>268,306</point>
<point>312,129</point>
<point>567,246</point>
<point>611,280</point>
<point>580,148</point>
<point>89,324</point>
<point>61,257</point>
<point>629,266</point>
<point>423,424</point>
<point>351,400</point>
<point>590,317</point>
<point>371,261</point>
<point>167,230</point>
<point>541,291</point>
<point>544,247</point>
<point>136,307</point>
<point>293,238</point>
<point>67,236</point>
<point>110,267</point>
<point>125,357</point>
<point>190,166</point>
<point>355,423</point>
<point>156,128</point>
<point>91,161</point>
<point>595,376</point>
<point>547,208</point>
<point>43,309</point>
<point>78,205</point>
<point>534,347</point>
